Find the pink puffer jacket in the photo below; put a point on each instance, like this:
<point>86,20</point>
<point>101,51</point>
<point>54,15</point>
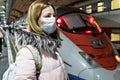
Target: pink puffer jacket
<point>52,69</point>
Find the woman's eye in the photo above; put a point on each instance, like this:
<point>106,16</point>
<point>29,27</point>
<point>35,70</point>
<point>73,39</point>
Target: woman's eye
<point>54,15</point>
<point>47,16</point>
<point>50,15</point>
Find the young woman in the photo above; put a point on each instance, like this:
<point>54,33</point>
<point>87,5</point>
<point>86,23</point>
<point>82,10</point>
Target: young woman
<point>42,34</point>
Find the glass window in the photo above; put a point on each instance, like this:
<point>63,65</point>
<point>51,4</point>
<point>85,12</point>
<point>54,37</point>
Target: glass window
<point>115,38</point>
<point>79,23</point>
<point>89,9</point>
<point>73,20</point>
<point>115,4</point>
<point>100,7</point>
<point>115,35</point>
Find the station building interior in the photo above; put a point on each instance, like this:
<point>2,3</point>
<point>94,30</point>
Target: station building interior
<point>105,12</point>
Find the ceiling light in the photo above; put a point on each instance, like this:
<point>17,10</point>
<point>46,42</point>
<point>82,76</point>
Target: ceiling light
<point>2,12</point>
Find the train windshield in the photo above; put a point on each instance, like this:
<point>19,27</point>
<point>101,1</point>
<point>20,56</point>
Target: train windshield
<point>78,22</point>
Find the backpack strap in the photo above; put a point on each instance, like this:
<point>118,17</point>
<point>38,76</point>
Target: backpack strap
<point>37,58</point>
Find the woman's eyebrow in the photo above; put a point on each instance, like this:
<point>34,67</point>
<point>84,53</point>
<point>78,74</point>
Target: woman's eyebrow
<point>49,14</point>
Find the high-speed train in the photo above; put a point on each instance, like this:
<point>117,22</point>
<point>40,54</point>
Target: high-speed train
<point>87,52</point>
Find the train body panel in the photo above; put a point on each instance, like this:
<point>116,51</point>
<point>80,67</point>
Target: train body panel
<point>70,54</point>
<point>100,74</point>
<point>77,65</point>
<point>98,47</point>
<point>86,50</point>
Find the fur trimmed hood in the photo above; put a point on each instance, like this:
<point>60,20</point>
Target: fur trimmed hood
<point>23,38</point>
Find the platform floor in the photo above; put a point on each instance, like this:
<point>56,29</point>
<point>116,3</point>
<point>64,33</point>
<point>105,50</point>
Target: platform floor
<point>3,61</point>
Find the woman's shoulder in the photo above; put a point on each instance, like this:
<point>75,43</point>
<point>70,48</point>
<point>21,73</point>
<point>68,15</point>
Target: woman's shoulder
<point>24,53</point>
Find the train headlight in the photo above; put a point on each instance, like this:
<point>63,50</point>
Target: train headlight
<point>89,59</point>
<point>117,58</point>
<point>59,21</point>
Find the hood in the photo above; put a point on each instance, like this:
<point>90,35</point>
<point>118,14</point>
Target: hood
<point>23,38</point>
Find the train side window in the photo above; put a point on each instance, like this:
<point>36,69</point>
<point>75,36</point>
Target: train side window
<point>115,35</point>
<point>115,4</point>
<point>89,9</point>
<point>100,7</point>
<point>115,38</point>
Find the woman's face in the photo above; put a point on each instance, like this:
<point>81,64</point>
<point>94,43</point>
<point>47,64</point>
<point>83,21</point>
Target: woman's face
<point>46,13</point>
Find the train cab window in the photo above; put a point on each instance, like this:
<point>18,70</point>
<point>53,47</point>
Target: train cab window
<point>115,4</point>
<point>89,9</point>
<point>100,7</point>
<point>79,23</point>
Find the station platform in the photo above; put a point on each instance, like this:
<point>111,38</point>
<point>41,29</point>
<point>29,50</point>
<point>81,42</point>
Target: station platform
<point>3,61</point>
<point>8,54</point>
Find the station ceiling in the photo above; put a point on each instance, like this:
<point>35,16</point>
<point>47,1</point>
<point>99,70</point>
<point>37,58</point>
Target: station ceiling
<point>2,11</point>
<point>17,8</point>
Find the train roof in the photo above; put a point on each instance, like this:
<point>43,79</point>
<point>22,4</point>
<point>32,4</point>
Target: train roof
<point>67,10</point>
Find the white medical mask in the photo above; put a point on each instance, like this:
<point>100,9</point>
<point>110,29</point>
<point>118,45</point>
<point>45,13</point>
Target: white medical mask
<point>49,25</point>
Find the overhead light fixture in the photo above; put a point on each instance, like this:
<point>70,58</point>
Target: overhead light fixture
<point>2,12</point>
<point>2,15</point>
<point>3,7</point>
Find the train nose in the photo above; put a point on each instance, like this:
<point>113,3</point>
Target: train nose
<point>100,74</point>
